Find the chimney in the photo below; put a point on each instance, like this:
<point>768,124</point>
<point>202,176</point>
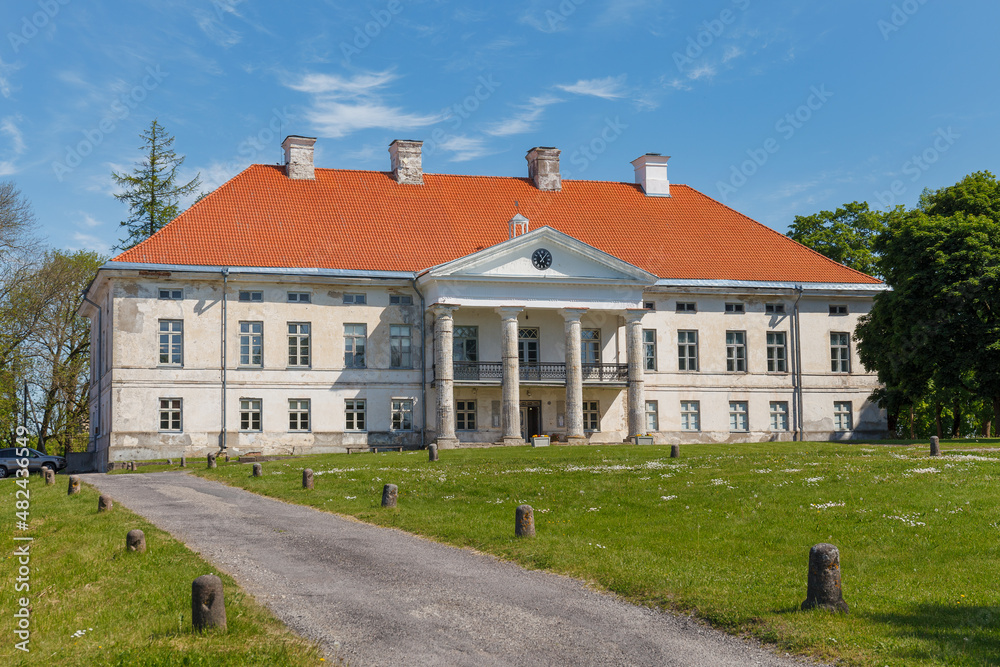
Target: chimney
<point>406,161</point>
<point>299,156</point>
<point>543,168</point>
<point>651,174</point>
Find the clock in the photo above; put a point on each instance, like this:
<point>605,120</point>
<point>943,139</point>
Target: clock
<point>542,259</point>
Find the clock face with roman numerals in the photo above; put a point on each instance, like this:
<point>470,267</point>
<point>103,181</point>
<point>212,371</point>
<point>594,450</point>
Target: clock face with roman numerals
<point>542,259</point>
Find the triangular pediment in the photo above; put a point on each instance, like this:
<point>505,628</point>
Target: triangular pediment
<point>546,255</point>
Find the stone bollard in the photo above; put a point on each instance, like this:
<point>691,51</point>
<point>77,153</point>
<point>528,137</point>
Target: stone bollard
<point>258,470</point>
<point>824,590</point>
<point>390,492</point>
<point>307,479</point>
<point>432,452</point>
<point>675,451</point>
<point>208,605</point>
<point>211,461</point>
<point>131,466</point>
<point>227,457</point>
<point>170,462</point>
<point>135,541</point>
<point>74,485</point>
<point>935,446</point>
<point>184,462</point>
<point>524,521</point>
<point>104,503</point>
<point>50,475</point>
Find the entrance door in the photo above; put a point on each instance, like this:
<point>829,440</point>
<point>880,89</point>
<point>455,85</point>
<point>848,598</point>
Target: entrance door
<point>531,419</point>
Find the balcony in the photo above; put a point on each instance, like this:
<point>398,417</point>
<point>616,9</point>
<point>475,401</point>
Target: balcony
<point>491,372</point>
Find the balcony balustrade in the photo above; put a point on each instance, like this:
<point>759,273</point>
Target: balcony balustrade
<point>542,372</point>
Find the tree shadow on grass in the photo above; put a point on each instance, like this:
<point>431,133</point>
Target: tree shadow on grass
<point>957,633</point>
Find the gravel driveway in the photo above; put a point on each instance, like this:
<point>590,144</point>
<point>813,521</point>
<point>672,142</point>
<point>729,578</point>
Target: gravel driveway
<point>389,598</point>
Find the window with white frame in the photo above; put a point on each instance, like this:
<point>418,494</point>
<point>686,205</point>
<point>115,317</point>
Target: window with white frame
<point>687,350</point>
<point>734,307</point>
<point>465,415</point>
<point>777,353</point>
<point>842,420</point>
<point>736,351</point>
<point>649,349</point>
<point>299,297</point>
<point>779,415</point>
<point>171,342</point>
<point>774,308</point>
<point>170,414</point>
<point>298,344</point>
<point>298,414</point>
<point>250,414</point>
<point>355,336</point>
<point>649,305</point>
<point>590,346</point>
<point>354,411</point>
<point>465,344</point>
<point>591,416</point>
<point>838,309</point>
<point>402,414</point>
<point>171,294</point>
<point>686,307</point>
<point>251,344</point>
<point>652,416</point>
<point>400,300</point>
<point>840,352</point>
<point>356,298</point>
<point>251,296</point>
<point>400,352</point>
<point>738,416</point>
<point>690,416</point>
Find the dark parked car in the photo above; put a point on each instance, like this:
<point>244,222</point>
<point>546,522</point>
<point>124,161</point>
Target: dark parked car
<point>36,461</point>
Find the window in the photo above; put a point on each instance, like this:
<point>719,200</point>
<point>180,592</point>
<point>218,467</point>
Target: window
<point>777,354</point>
<point>465,344</point>
<point>736,351</point>
<point>354,345</point>
<point>649,305</point>
<point>465,415</point>
<point>840,352</point>
<point>169,294</point>
<point>690,416</point>
<point>686,307</point>
<point>652,417</point>
<point>838,310</point>
<point>738,416</point>
<point>251,343</point>
<point>734,307</point>
<point>842,416</point>
<point>400,352</point>
<point>170,414</point>
<point>355,413</point>
<point>527,347</point>
<point>779,416</point>
<point>299,297</point>
<point>687,350</point>
<point>356,298</point>
<point>246,295</point>
<point>649,349</point>
<point>171,342</point>
<point>402,414</point>
<point>298,344</point>
<point>249,414</point>
<point>590,346</point>
<point>298,414</point>
<point>591,416</point>
<point>776,308</point>
<point>400,300</point>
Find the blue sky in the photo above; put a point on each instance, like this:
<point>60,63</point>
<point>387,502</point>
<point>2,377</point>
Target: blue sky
<point>778,108</point>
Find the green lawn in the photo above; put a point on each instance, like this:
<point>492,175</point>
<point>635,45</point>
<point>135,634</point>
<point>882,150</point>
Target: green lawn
<point>724,531</point>
<point>94,604</point>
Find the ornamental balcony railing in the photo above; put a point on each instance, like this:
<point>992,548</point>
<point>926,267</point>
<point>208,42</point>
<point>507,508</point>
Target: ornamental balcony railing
<point>492,371</point>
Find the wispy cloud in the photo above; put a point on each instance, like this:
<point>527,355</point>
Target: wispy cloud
<point>83,241</point>
<point>6,70</point>
<point>213,24</point>
<point>608,88</point>
<point>343,105</point>
<point>526,119</point>
<point>89,221</point>
<point>464,147</point>
<point>16,144</point>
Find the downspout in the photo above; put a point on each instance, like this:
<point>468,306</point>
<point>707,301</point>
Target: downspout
<point>225,290</point>
<point>423,363</point>
<point>100,363</point>
<point>799,421</point>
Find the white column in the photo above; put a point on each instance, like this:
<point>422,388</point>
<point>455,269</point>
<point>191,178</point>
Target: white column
<point>574,376</point>
<point>511,378</point>
<point>636,381</point>
<point>444,375</point>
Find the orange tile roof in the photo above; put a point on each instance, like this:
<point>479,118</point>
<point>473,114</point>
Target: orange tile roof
<point>364,220</point>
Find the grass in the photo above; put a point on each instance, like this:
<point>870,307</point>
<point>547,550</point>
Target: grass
<point>94,604</point>
<point>723,532</point>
